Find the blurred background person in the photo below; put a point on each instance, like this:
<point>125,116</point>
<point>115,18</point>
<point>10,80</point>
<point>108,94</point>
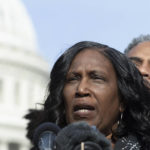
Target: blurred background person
<point>139,52</point>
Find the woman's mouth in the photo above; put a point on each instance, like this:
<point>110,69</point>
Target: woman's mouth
<point>83,111</point>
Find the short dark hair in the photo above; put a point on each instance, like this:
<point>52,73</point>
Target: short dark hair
<point>140,39</point>
<point>133,93</point>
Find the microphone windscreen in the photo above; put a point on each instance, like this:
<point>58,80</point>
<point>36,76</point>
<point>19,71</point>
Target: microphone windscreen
<point>70,138</point>
<point>44,136</point>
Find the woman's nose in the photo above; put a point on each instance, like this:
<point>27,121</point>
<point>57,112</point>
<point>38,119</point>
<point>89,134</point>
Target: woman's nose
<point>83,89</point>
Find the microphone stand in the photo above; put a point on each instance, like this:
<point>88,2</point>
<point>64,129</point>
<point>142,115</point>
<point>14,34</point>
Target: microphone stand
<point>82,145</point>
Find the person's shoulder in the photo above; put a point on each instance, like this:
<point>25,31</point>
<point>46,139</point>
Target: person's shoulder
<point>127,143</point>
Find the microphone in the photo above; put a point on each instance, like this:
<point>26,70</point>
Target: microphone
<point>44,136</point>
<point>81,136</point>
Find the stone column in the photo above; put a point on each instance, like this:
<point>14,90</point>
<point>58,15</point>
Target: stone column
<point>3,145</point>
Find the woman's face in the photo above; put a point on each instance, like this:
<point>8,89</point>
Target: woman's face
<point>91,92</point>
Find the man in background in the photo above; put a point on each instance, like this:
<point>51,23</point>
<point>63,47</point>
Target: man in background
<point>139,52</point>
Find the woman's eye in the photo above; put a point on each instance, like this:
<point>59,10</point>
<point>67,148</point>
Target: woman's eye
<point>97,77</point>
<point>70,79</point>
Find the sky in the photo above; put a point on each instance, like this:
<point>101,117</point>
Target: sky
<point>61,23</point>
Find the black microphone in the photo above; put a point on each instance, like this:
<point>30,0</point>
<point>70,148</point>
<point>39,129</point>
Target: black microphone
<point>81,136</point>
<point>44,136</point>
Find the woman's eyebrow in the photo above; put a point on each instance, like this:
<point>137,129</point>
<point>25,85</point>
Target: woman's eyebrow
<point>73,73</point>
